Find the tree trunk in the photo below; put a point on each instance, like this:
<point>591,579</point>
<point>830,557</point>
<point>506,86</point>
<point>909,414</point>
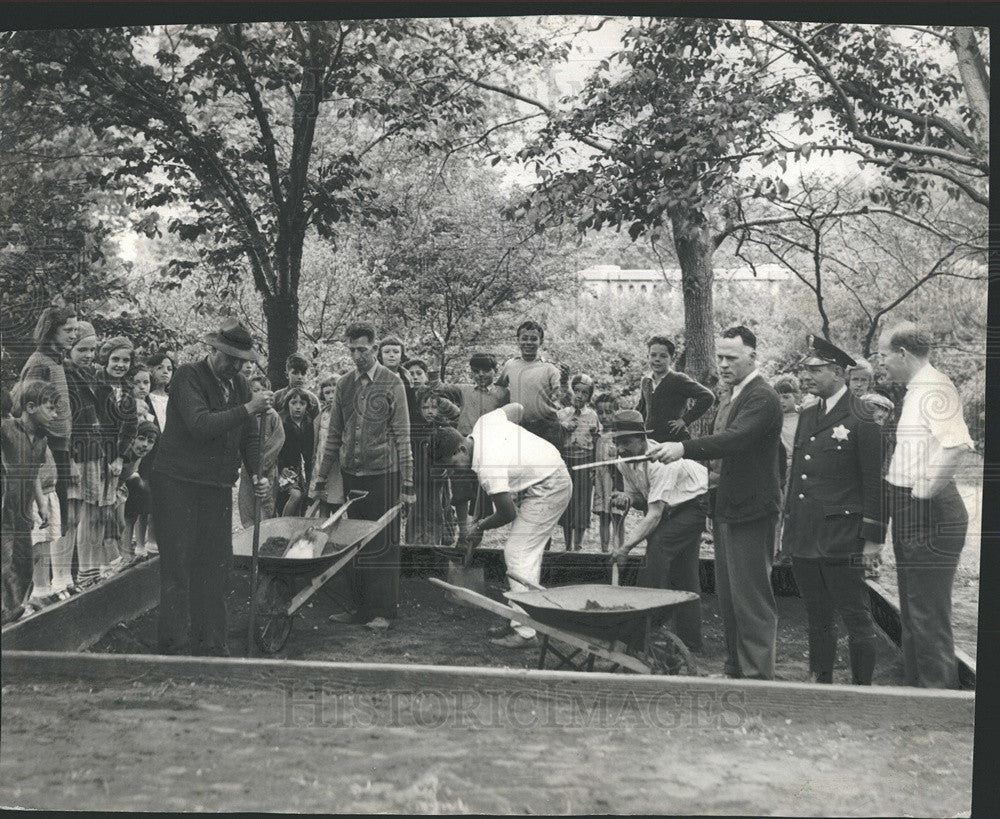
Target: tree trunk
<point>282,314</point>
<point>972,69</point>
<point>695,246</point>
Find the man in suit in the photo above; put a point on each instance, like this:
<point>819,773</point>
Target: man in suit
<point>746,504</point>
<point>212,419</point>
<point>834,509</point>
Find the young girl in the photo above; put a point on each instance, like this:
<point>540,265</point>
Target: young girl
<point>274,439</point>
<point>441,405</point>
<point>116,353</point>
<point>606,478</point>
<point>580,430</point>
<point>333,496</point>
<point>296,456</point>
<point>136,479</point>
<point>161,370</point>
<point>142,383</point>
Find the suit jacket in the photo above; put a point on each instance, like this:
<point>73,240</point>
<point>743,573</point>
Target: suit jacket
<point>834,495</point>
<point>206,434</point>
<point>668,401</point>
<point>748,446</point>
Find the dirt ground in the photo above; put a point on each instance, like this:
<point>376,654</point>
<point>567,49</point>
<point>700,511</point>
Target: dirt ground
<point>208,747</point>
<point>431,629</point>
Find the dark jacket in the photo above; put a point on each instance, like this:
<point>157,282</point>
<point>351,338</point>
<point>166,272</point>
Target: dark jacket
<point>835,485</point>
<point>101,427</point>
<point>668,401</point>
<point>297,451</point>
<point>748,446</point>
<point>205,435</point>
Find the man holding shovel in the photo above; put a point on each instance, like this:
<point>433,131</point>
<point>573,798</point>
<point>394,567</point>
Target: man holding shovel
<point>510,463</point>
<point>212,422</point>
<point>674,498</point>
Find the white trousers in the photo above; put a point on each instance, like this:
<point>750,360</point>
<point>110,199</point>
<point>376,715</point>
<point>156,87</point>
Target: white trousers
<point>538,515</point>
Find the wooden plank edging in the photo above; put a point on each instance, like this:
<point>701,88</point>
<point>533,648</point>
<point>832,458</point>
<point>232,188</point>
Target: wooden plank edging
<point>853,705</point>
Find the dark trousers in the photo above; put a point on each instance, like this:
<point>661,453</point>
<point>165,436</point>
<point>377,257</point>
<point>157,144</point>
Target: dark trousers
<point>927,538</point>
<point>15,541</point>
<point>746,600</point>
<point>194,533</point>
<point>826,586</point>
<point>672,563</point>
<point>374,573</point>
<point>550,430</point>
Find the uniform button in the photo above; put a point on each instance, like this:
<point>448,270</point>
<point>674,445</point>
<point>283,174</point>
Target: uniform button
<point>808,457</point>
<point>802,497</point>
<point>813,438</point>
<point>803,477</point>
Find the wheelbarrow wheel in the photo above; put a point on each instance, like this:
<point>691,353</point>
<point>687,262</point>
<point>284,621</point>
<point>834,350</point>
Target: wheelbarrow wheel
<point>667,654</point>
<point>273,623</point>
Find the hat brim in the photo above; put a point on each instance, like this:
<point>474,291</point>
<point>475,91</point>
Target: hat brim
<point>623,433</point>
<point>813,360</point>
<point>213,340</point>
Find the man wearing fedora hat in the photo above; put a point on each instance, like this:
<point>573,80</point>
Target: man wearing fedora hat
<point>212,419</point>
<point>675,500</point>
<point>834,512</point>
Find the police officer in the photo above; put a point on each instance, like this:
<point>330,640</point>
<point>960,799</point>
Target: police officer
<point>834,512</point>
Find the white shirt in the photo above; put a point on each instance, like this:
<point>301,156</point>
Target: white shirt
<point>831,402</point>
<point>508,458</point>
<point>739,387</point>
<point>159,403</point>
<point>672,483</point>
<point>929,422</point>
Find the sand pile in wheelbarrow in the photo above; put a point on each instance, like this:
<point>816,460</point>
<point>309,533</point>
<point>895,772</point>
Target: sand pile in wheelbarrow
<point>273,547</point>
<point>593,605</point>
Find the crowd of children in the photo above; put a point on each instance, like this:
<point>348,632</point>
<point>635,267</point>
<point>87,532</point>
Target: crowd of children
<point>71,521</point>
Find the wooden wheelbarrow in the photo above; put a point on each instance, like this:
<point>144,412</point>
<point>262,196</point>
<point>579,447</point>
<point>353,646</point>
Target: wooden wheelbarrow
<point>613,623</point>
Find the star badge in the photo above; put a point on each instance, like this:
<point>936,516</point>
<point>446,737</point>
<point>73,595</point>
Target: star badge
<point>841,433</point>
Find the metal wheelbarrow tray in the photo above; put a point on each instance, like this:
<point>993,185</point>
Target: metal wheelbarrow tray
<point>275,601</point>
<point>610,622</point>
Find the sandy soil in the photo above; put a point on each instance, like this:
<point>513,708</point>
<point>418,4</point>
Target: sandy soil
<point>210,747</point>
<point>430,629</point>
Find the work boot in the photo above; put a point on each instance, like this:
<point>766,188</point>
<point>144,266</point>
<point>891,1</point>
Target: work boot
<point>513,640</point>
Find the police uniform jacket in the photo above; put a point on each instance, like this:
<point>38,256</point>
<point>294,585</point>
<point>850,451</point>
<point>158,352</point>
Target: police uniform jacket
<point>834,499</point>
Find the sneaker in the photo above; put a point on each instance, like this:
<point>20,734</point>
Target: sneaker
<point>378,624</point>
<point>349,617</point>
<point>500,631</point>
<point>139,551</point>
<point>513,640</point>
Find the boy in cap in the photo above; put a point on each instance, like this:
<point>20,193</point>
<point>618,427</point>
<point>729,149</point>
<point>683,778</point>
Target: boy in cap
<point>834,513</point>
<point>674,498</point>
<point>510,463</point>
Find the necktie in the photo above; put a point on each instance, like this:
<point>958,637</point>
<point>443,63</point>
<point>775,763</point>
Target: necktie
<point>822,407</point>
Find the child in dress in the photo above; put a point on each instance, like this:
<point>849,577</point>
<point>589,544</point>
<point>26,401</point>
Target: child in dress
<point>607,479</point>
<point>295,460</point>
<point>274,439</point>
<point>581,427</point>
<point>135,477</point>
<point>142,380</point>
<point>45,536</point>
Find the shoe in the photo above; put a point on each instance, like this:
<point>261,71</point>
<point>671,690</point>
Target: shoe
<point>9,616</point>
<point>500,631</point>
<point>348,617</point>
<point>378,624</point>
<point>513,640</point>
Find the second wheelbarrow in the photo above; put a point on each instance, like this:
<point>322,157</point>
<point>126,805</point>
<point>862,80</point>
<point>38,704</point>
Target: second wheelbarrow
<point>613,623</point>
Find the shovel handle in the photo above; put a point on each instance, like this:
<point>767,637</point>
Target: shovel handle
<point>614,572</point>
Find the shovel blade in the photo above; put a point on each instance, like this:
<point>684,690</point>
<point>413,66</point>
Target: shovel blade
<point>468,577</point>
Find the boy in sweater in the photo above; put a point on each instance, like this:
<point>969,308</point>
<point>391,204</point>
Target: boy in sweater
<point>664,395</point>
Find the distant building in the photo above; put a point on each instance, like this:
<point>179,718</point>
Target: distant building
<point>609,279</point>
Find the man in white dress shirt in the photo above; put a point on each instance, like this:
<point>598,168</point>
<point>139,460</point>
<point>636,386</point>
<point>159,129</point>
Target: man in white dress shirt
<point>528,482</point>
<point>929,519</point>
<point>674,498</point>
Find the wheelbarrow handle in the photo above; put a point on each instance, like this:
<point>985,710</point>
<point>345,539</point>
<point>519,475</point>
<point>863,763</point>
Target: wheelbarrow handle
<point>525,582</point>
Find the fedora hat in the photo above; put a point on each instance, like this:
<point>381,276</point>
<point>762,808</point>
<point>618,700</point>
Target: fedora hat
<point>233,339</point>
<point>628,422</point>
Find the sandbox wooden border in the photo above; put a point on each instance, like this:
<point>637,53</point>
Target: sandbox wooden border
<point>51,646</point>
